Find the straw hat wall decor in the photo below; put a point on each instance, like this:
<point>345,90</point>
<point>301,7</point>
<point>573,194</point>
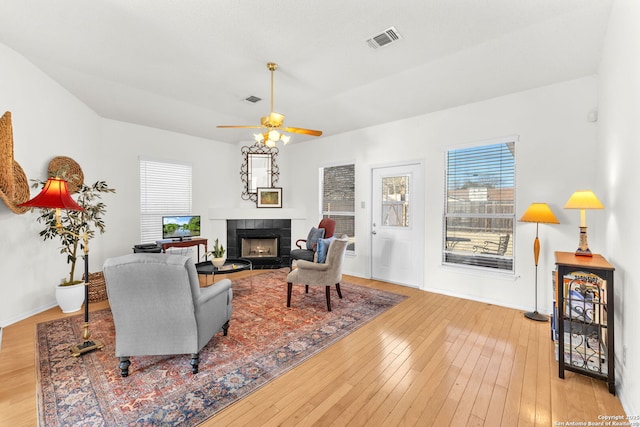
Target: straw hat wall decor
<point>67,169</point>
<point>14,188</point>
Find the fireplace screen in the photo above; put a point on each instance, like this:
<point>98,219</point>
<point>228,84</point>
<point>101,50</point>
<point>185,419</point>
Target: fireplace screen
<point>259,247</point>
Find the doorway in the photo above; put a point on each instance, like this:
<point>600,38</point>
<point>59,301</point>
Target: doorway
<point>397,224</point>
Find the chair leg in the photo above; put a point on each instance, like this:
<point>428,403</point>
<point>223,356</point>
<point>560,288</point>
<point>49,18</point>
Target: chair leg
<point>124,366</point>
<point>225,328</point>
<point>195,361</point>
<point>328,292</point>
<point>338,289</point>
<point>289,288</point>
<point>306,289</point>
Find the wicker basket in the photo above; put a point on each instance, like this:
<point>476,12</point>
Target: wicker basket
<point>97,287</point>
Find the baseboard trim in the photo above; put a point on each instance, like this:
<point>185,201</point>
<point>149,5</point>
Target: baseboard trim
<point>12,320</point>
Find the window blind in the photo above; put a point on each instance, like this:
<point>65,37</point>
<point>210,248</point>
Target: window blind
<point>338,199</point>
<point>165,189</point>
<point>480,206</point>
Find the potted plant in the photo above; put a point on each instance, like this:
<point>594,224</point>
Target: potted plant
<point>218,254</point>
<point>74,224</point>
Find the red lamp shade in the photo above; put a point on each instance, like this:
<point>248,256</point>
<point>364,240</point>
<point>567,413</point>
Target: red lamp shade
<point>54,195</point>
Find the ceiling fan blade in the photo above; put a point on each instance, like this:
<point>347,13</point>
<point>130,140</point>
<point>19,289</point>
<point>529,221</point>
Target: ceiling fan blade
<point>304,131</point>
<point>275,121</point>
<point>241,127</point>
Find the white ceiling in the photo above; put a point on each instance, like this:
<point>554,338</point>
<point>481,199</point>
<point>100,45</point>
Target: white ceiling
<point>187,66</point>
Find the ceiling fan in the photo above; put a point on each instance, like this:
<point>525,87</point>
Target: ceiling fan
<point>274,123</point>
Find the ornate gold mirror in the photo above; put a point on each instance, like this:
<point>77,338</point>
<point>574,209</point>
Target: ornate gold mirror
<point>259,169</point>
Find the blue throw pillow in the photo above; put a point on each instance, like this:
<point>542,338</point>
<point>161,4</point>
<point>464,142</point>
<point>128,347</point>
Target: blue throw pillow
<point>315,234</point>
<point>323,248</point>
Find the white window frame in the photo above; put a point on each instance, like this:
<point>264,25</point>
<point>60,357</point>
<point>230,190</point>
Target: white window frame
<point>165,189</point>
<point>464,255</point>
<point>351,248</point>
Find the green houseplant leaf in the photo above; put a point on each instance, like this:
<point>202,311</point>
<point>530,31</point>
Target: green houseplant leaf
<point>218,250</point>
<point>76,222</point>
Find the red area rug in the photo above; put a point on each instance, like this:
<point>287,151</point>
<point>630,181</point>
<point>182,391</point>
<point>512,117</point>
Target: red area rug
<point>265,340</point>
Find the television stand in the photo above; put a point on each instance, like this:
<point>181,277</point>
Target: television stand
<point>184,243</point>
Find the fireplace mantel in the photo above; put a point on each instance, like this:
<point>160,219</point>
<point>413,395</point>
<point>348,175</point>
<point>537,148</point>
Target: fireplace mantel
<point>255,213</point>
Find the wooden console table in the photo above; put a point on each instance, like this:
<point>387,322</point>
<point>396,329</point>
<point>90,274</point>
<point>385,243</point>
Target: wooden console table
<point>184,243</point>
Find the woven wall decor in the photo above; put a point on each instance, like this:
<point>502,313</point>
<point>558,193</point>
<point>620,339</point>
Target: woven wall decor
<point>6,156</point>
<point>67,169</point>
<point>14,188</point>
<point>21,191</point>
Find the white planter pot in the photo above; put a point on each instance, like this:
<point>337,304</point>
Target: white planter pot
<point>219,262</point>
<point>70,298</point>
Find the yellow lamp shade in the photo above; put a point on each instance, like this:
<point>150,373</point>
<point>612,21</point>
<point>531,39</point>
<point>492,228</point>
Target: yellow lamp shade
<point>583,199</point>
<point>539,212</point>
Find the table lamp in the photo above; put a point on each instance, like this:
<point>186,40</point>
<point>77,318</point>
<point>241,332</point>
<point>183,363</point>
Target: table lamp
<point>583,199</point>
<point>55,195</point>
<point>538,213</point>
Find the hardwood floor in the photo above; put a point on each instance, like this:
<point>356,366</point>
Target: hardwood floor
<point>431,360</point>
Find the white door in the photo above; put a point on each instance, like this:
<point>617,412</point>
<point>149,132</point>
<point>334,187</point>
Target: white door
<point>397,229</point>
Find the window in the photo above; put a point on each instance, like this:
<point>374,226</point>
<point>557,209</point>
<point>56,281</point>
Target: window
<point>479,214</point>
<point>395,201</point>
<point>338,199</point>
<point>165,189</point>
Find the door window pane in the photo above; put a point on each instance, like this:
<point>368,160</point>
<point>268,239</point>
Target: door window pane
<point>395,201</point>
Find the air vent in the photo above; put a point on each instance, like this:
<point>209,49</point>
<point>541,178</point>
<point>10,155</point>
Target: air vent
<point>388,36</point>
<point>252,99</point>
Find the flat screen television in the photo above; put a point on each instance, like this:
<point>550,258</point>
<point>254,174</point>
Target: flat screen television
<point>180,227</point>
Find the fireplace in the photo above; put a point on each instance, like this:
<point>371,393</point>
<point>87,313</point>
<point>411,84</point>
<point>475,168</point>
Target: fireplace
<point>251,247</point>
<point>266,242</point>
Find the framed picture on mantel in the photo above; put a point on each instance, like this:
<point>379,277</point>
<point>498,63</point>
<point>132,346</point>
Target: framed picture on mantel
<point>269,197</point>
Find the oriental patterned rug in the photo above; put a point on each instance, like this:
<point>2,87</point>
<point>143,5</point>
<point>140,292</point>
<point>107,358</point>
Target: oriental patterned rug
<point>265,340</point>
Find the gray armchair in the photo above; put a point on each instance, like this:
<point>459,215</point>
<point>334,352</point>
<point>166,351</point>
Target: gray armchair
<point>317,274</point>
<point>159,308</point>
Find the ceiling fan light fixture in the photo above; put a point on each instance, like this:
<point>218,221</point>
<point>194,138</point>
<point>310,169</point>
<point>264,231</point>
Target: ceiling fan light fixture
<point>274,135</point>
<point>274,121</point>
<point>271,137</point>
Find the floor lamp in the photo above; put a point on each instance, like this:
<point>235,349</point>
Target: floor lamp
<point>538,213</point>
<point>55,195</point>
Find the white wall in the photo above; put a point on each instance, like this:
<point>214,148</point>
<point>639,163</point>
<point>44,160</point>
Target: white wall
<point>618,135</point>
<point>215,178</point>
<point>557,153</point>
<point>49,122</point>
<point>550,121</point>
<point>555,142</point>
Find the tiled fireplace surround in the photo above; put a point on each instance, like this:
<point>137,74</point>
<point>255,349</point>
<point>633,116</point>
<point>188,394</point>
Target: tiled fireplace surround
<point>242,231</point>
